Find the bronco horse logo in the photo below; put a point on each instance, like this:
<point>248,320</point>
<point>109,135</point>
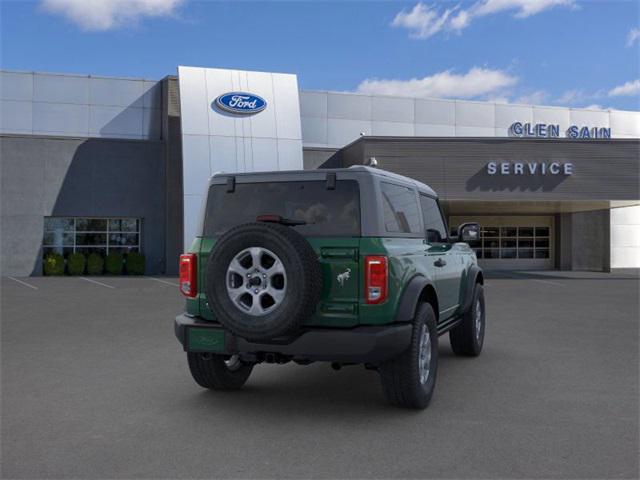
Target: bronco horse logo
<point>343,277</point>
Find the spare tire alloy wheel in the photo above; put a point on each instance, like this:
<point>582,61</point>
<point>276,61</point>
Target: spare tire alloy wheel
<point>262,281</point>
<point>256,281</point>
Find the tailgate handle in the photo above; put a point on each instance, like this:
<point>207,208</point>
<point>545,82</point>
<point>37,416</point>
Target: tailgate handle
<point>345,253</point>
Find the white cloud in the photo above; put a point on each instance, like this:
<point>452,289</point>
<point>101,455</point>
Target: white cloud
<point>524,8</point>
<point>571,97</point>
<point>538,97</point>
<point>633,36</point>
<point>475,83</point>
<point>424,22</point>
<point>595,106</point>
<point>631,87</point>
<point>421,21</point>
<point>100,15</point>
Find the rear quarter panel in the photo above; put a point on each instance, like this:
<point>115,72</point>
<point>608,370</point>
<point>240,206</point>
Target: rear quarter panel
<point>407,258</point>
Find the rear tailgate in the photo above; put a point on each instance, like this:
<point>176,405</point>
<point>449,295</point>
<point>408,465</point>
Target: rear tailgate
<point>339,262</point>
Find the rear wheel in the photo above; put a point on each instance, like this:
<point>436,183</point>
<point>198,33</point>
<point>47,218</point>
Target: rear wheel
<point>218,372</point>
<point>409,379</point>
<point>468,337</point>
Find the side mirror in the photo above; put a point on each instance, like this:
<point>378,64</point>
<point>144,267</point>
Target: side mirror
<point>469,232</point>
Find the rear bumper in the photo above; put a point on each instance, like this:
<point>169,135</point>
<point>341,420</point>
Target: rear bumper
<point>364,344</point>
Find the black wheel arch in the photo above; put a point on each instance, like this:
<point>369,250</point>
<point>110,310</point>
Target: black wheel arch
<point>474,276</point>
<point>419,289</point>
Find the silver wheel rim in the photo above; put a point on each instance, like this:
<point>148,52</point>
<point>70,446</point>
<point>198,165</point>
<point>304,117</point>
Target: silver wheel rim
<point>233,363</point>
<point>424,357</point>
<point>478,320</point>
<point>256,281</point>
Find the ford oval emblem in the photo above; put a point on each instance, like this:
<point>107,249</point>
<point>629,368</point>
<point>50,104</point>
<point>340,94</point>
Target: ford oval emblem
<point>240,103</point>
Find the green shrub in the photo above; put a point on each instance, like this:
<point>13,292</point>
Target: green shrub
<point>113,263</point>
<point>53,264</point>
<point>95,264</point>
<point>76,263</point>
<point>135,263</point>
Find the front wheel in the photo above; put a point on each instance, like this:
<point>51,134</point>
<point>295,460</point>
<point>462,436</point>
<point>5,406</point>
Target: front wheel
<point>218,372</point>
<point>409,379</point>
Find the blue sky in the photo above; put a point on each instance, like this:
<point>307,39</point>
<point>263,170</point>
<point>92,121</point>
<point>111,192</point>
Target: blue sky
<point>558,52</point>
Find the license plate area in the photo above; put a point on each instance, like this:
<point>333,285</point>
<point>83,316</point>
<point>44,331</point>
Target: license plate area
<point>205,340</point>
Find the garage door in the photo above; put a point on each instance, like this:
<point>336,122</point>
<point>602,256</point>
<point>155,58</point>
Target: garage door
<point>513,243</point>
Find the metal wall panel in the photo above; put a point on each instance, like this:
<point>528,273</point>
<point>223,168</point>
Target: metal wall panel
<point>347,112</point>
<point>464,131</point>
<point>552,115</point>
<point>589,117</point>
<point>471,114</point>
<point>349,106</point>
<point>424,130</point>
<point>435,112</point>
<point>116,92</point>
<point>74,105</point>
<point>506,115</point>
<point>342,132</point>
<point>196,175</point>
<point>389,109</point>
<point>61,89</point>
<point>16,86</point>
<point>625,123</point>
<point>392,129</point>
<point>625,237</point>
<point>107,121</point>
<point>16,117</point>
<point>314,130</point>
<point>313,104</point>
<point>285,91</point>
<point>61,118</point>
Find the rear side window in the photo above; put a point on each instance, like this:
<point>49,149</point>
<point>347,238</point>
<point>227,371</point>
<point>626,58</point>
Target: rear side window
<point>400,209</point>
<point>326,212</point>
<point>433,222</point>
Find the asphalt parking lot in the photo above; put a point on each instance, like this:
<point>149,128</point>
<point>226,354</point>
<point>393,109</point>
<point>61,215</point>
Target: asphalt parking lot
<point>94,385</point>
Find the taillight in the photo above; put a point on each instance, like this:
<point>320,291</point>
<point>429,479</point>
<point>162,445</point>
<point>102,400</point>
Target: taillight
<point>188,275</point>
<point>376,279</point>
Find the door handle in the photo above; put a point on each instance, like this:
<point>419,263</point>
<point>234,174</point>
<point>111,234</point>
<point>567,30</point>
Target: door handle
<point>440,263</point>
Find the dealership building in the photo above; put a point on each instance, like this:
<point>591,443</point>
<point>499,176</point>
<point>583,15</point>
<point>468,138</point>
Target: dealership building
<point>101,164</point>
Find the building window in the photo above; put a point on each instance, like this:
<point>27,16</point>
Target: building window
<point>513,242</point>
<point>65,235</point>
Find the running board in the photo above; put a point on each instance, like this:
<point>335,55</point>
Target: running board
<point>448,324</point>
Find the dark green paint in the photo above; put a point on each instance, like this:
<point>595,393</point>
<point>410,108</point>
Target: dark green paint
<point>205,340</point>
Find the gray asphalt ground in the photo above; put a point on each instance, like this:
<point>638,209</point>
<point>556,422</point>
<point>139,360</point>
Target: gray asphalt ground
<point>94,385</point>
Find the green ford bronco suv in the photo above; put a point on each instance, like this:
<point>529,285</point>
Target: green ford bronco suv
<point>348,266</point>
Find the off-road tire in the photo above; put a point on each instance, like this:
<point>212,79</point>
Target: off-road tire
<point>464,338</point>
<point>303,284</point>
<point>400,376</point>
<point>211,371</point>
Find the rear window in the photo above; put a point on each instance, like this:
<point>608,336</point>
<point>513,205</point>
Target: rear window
<point>326,212</point>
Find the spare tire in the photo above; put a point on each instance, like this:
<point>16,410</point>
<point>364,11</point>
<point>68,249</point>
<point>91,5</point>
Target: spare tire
<point>262,280</point>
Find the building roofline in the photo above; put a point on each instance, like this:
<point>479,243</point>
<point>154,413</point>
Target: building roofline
<point>382,138</point>
<point>462,100</point>
<point>78,75</point>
